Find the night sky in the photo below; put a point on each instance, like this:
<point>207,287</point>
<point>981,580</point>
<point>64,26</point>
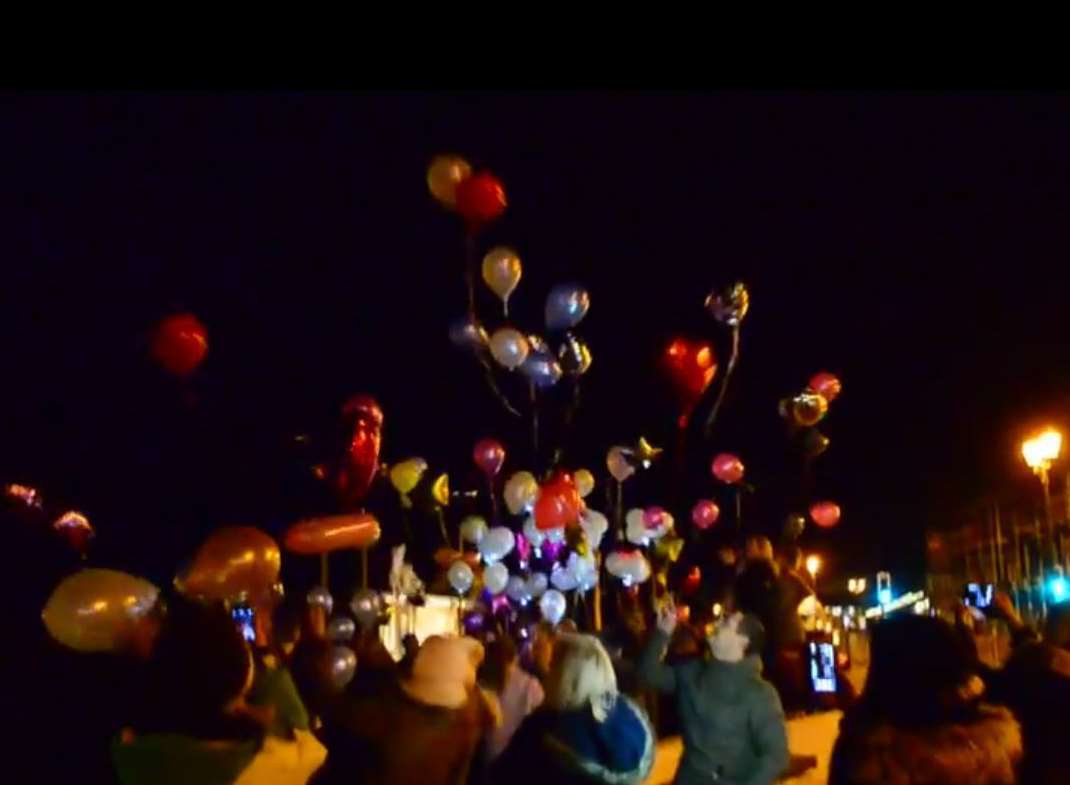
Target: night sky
<point>914,245</point>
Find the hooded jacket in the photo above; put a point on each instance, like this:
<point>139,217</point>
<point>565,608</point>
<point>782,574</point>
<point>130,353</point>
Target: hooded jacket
<point>731,720</point>
<point>983,751</point>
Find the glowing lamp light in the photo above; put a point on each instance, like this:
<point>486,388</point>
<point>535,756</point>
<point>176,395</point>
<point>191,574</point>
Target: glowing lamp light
<point>1059,589</point>
<point>1040,451</point>
<point>813,564</point>
<point>884,596</point>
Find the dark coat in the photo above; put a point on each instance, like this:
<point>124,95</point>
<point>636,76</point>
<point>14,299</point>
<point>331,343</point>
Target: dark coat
<point>982,751</point>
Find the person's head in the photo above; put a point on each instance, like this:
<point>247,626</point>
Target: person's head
<point>758,547</point>
<point>737,636</point>
<point>501,655</point>
<point>1057,626</point>
<point>444,672</point>
<point>581,675</point>
<point>920,672</point>
<point>791,556</point>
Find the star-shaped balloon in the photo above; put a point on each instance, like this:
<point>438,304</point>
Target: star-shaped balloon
<point>647,453</point>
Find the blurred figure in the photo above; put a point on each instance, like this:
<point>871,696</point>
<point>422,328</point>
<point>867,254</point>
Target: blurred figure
<point>585,731</point>
<point>920,718</point>
<point>542,649</point>
<point>757,548</point>
<point>197,724</point>
<point>424,729</point>
<point>787,635</point>
<point>411,644</point>
<point>518,693</point>
<point>733,726</point>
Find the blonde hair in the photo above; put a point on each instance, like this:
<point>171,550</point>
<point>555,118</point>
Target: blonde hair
<point>581,673</point>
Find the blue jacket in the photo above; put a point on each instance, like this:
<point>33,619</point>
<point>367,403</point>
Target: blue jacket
<point>733,725</point>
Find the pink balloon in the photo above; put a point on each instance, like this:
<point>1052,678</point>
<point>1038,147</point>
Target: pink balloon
<point>826,385</point>
<point>825,514</point>
<point>728,468</point>
<point>489,456</point>
<point>705,513</point>
<point>653,517</point>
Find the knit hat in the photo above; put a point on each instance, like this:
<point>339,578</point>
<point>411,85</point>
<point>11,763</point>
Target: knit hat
<point>444,673</point>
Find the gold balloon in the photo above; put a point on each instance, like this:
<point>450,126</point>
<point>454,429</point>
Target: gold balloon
<point>584,482</point>
<point>646,452</point>
<point>669,548</point>
<point>405,476</point>
<point>809,408</point>
<point>234,562</point>
<point>501,273</point>
<point>440,491</point>
<point>443,175</point>
<point>94,609</point>
<point>509,347</point>
<point>520,492</point>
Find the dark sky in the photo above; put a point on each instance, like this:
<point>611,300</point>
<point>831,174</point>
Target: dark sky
<point>915,245</point>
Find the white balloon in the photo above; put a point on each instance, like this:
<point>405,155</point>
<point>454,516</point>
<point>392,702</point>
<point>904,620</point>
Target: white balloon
<point>594,525</point>
<point>636,530</point>
<point>496,577</point>
<point>473,529</point>
<point>533,533</point>
<point>555,535</point>
<point>496,544</point>
<point>583,571</point>
<point>553,606</point>
<point>631,568</point>
<point>516,589</point>
<point>562,579</point>
<point>537,584</point>
<point>460,577</point>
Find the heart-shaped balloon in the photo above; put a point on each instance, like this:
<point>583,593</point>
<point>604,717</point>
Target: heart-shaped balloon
<point>691,366</point>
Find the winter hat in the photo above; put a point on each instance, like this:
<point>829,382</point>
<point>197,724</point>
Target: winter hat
<point>444,673</point>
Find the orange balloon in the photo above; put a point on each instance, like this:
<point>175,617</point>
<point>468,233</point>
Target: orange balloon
<point>234,562</point>
<point>333,533</point>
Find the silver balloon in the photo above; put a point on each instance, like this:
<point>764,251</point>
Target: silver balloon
<point>466,333</point>
<point>496,578</point>
<point>553,606</point>
<point>537,584</point>
<point>319,597</point>
<point>566,305</point>
<point>460,577</point>
<point>341,629</point>
<point>574,355</point>
<point>730,305</point>
<point>343,666</point>
<point>366,606</point>
<point>496,544</point>
<point>542,369</point>
<point>509,347</point>
<point>516,590</point>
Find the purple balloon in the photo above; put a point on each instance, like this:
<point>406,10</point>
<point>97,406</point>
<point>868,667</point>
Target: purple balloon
<point>466,333</point>
<point>566,305</point>
<point>542,369</point>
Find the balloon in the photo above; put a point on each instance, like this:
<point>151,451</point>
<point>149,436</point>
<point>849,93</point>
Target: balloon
<point>343,664</point>
<point>584,481</point>
<point>654,517</point>
<point>501,273</point>
<point>440,490</point>
<point>495,577</point>
<point>405,476</point>
<point>332,533</point>
<point>366,606</point>
<point>563,484</point>
<point>728,468</point>
<point>537,343</point>
<point>361,462</point>
<point>630,566</point>
<point>516,590</point>
<point>537,584</point>
<point>794,526</point>
<point>552,509</point>
<point>618,464</point>
<point>489,455</point>
<point>814,443</point>
<point>825,514</point>
<point>584,572</point>
<point>473,529</point>
<point>319,597</point>
<point>730,305</point>
<point>637,532</point>
<point>94,609</point>
<point>234,562</point>
<point>535,536</point>
<point>520,492</point>
<point>574,355</point>
<point>460,577</point>
<point>180,344</point>
<point>553,606</point>
<point>566,305</point>
<point>443,176</point>
<point>468,334</point>
<point>826,385</point>
<point>341,629</point>
<point>480,199</point>
<point>594,525</point>
<point>76,529</point>
<point>669,548</point>
<point>562,579</point>
<point>808,408</point>
<point>692,581</point>
<point>444,557</point>
<point>496,544</point>
<point>691,366</point>
<point>509,347</point>
<point>26,495</point>
<point>705,513</point>
<point>646,453</point>
<point>542,369</point>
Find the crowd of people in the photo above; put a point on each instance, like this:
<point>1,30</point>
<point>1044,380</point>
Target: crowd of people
<point>189,700</point>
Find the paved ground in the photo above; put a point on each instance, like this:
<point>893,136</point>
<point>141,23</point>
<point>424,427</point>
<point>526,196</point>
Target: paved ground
<point>811,735</point>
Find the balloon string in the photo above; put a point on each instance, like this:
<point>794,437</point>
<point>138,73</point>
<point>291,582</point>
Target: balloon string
<point>442,526</point>
<point>364,568</point>
<point>489,375</point>
<point>493,499</point>
<point>323,571</point>
<point>724,382</point>
<point>534,423</point>
<point>469,270</point>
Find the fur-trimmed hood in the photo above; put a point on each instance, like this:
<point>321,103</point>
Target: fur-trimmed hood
<point>985,751</point>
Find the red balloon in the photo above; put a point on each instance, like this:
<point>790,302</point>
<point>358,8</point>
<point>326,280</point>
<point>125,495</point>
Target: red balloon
<point>825,514</point>
<point>691,366</point>
<point>76,529</point>
<point>826,385</point>
<point>653,517</point>
<point>489,456</point>
<point>480,198</point>
<point>728,468</point>
<point>705,513</point>
<point>335,532</point>
<point>564,485</point>
<point>692,582</point>
<point>180,344</point>
<point>552,510</point>
<point>361,462</point>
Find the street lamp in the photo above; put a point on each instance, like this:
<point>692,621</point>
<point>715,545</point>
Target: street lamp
<point>1039,453</point>
<point>813,565</point>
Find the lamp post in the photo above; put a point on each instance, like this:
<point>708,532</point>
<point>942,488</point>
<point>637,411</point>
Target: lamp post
<point>1039,453</point>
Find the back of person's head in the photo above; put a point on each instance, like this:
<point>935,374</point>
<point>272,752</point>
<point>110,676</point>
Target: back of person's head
<point>920,672</point>
<point>444,672</point>
<point>500,655</point>
<point>758,547</point>
<point>1057,625</point>
<point>581,675</point>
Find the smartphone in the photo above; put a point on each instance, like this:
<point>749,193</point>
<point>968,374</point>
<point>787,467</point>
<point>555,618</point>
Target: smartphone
<point>823,667</point>
<point>978,595</point>
<point>245,618</point>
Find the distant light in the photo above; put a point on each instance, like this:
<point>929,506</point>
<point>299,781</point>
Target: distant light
<point>1059,589</point>
<point>885,596</point>
<point>813,564</point>
<point>1042,449</point>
